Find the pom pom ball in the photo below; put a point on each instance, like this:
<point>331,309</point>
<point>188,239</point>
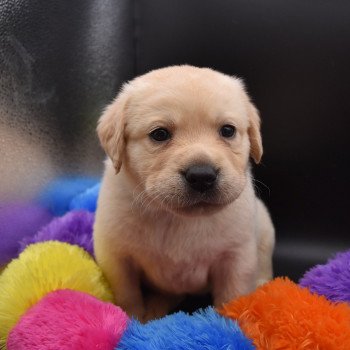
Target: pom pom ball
<point>74,227</point>
<point>58,195</point>
<point>43,268</point>
<point>18,220</point>
<point>283,315</point>
<point>86,200</point>
<point>67,320</point>
<point>331,280</point>
<point>204,330</point>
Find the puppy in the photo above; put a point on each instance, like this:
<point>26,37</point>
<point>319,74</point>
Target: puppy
<point>177,209</point>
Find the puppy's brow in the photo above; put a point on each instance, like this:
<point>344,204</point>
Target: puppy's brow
<point>161,122</point>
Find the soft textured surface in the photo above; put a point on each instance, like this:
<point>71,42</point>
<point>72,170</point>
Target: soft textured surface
<point>74,227</point>
<point>58,195</point>
<point>204,330</point>
<point>66,320</point>
<point>331,280</point>
<point>18,220</point>
<point>86,200</point>
<point>43,268</point>
<point>283,315</point>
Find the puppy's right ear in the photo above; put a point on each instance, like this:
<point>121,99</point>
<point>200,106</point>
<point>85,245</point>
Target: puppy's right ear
<point>110,130</point>
<point>256,148</point>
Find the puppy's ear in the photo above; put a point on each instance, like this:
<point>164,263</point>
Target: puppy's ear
<point>110,130</point>
<point>256,148</point>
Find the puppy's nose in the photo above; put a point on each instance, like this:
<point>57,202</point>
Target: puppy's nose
<point>201,177</point>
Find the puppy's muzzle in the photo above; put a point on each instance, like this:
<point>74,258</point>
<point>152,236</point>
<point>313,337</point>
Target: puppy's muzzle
<point>201,178</point>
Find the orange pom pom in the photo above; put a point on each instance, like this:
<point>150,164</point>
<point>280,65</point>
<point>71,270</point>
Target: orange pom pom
<point>282,315</point>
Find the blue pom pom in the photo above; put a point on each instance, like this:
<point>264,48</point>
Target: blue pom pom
<point>86,200</point>
<point>58,194</point>
<point>204,330</point>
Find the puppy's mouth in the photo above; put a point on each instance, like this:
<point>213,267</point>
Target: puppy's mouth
<point>201,204</point>
<point>187,201</point>
<point>200,208</point>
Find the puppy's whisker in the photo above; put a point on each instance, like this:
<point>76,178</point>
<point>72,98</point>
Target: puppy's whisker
<point>144,203</point>
<point>260,182</point>
<point>159,204</point>
<point>142,183</point>
<point>154,198</point>
<point>140,200</point>
<point>222,197</point>
<point>137,201</point>
<point>163,204</point>
<point>137,197</point>
<point>258,190</point>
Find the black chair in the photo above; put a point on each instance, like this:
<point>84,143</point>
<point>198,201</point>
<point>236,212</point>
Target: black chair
<point>62,61</point>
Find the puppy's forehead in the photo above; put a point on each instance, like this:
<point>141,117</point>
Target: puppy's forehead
<point>184,90</point>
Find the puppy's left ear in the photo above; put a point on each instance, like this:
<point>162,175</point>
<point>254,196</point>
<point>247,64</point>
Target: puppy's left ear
<point>256,148</point>
<point>110,130</point>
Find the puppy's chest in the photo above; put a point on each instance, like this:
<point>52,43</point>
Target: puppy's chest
<point>180,277</point>
<point>180,266</point>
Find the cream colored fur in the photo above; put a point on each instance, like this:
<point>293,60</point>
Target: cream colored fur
<point>149,228</point>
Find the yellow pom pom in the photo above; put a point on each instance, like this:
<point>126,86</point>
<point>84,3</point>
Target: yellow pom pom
<point>43,268</point>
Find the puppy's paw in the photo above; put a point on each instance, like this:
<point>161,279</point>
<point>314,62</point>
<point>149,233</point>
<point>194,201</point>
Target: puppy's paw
<point>156,307</point>
<point>262,281</point>
<point>134,311</point>
<point>159,305</point>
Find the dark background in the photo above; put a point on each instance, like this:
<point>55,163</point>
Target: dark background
<point>62,61</point>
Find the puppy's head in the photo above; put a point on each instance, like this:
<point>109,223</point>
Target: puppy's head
<point>183,135</point>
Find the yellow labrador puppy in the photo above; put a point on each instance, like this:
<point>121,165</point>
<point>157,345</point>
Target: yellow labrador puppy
<point>177,210</point>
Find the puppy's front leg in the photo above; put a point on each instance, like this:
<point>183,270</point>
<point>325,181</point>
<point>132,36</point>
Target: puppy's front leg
<point>234,275</point>
<point>124,278</point>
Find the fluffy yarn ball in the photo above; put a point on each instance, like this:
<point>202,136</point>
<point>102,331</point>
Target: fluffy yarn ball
<point>283,315</point>
<point>18,220</point>
<point>74,227</point>
<point>43,268</point>
<point>332,279</point>
<point>204,330</point>
<point>58,195</point>
<point>86,200</point>
<point>67,320</point>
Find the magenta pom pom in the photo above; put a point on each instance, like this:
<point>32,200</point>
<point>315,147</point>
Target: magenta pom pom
<point>67,320</point>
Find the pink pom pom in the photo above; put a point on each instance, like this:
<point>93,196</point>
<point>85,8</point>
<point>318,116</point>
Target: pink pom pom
<point>67,320</point>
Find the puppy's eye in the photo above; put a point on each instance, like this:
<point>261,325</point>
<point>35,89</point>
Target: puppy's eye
<point>227,131</point>
<point>160,135</point>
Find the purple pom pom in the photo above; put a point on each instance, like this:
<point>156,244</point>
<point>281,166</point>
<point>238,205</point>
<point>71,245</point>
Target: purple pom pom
<point>75,228</point>
<point>331,280</point>
<point>19,220</point>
